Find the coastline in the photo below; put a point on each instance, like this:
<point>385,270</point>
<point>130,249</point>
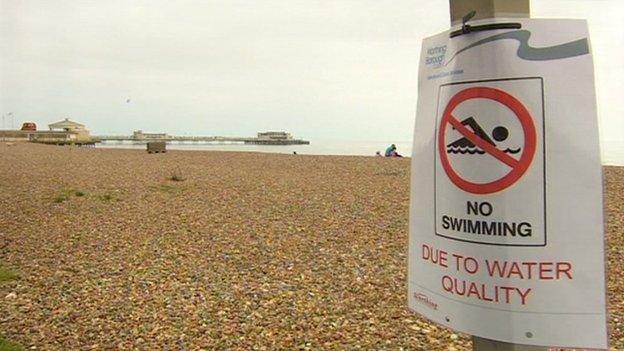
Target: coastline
<point>327,148</point>
<point>316,148</point>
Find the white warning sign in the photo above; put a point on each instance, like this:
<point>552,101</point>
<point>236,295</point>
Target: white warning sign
<point>506,226</point>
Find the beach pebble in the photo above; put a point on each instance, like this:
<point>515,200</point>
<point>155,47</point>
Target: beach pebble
<point>11,296</point>
<point>250,251</point>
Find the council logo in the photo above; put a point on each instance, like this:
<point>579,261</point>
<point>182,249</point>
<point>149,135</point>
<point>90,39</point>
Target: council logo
<point>435,56</point>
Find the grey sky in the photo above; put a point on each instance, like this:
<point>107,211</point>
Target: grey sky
<point>320,69</point>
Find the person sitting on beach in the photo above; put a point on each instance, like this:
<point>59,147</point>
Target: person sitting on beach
<point>391,151</point>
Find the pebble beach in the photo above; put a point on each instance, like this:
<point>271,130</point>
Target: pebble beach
<point>113,249</point>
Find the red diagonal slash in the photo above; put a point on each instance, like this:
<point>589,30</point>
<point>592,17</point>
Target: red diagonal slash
<point>487,147</point>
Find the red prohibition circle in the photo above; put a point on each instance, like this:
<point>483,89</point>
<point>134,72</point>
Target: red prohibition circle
<point>518,167</point>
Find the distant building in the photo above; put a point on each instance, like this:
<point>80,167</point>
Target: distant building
<point>75,129</point>
<point>15,135</point>
<point>61,133</point>
<point>274,136</point>
<point>29,126</point>
<point>140,135</point>
<point>66,125</point>
<point>54,137</point>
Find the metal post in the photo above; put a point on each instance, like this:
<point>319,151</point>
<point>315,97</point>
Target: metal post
<point>491,9</point>
<point>488,9</point>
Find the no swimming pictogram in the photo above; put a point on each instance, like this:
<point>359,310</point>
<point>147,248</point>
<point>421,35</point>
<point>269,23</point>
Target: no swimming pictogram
<point>489,176</point>
<point>474,136</point>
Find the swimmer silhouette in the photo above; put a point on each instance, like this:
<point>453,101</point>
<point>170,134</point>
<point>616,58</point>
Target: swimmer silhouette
<point>464,145</point>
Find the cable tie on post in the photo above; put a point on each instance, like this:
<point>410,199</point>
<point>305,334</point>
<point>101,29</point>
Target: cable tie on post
<point>467,29</point>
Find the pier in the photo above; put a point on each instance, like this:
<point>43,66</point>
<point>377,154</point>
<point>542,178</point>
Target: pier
<point>67,132</point>
<point>264,138</point>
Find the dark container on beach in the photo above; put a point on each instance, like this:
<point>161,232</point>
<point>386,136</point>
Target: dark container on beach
<point>156,147</point>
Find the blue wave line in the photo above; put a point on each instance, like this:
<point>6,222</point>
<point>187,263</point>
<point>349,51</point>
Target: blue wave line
<point>525,51</point>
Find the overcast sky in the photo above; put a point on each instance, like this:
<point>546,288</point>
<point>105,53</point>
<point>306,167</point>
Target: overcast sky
<point>320,69</point>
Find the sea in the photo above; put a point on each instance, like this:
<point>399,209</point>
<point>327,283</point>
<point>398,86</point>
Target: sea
<point>612,151</point>
<point>316,147</point>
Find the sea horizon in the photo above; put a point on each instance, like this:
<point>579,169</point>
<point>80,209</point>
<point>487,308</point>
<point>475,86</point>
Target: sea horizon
<point>329,147</point>
<point>316,147</point>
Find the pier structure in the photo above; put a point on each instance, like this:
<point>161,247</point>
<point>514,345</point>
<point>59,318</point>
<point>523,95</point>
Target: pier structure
<point>263,138</point>
<point>67,132</point>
